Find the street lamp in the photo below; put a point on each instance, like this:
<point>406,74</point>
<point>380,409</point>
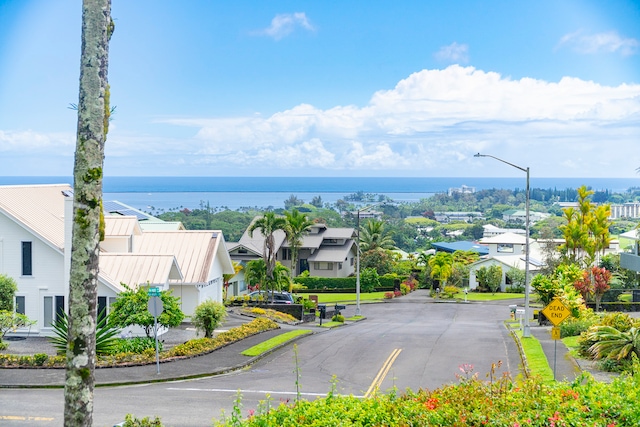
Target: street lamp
<point>526,332</point>
<point>358,255</point>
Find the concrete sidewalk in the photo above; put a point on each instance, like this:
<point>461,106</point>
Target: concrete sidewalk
<point>560,360</point>
<point>225,359</point>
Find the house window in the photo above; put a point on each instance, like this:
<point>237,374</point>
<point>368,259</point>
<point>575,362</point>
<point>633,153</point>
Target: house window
<point>20,304</point>
<point>323,265</point>
<point>351,261</point>
<point>53,307</point>
<point>339,266</point>
<point>505,247</point>
<point>27,261</point>
<point>286,254</point>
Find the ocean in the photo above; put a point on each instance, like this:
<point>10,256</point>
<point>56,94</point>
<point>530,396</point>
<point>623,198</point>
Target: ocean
<point>160,194</point>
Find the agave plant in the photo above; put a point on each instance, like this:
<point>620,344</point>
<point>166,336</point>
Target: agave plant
<point>106,335</point>
<point>613,344</point>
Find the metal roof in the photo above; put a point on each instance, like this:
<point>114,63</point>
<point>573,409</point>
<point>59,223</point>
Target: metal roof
<point>39,208</point>
<point>136,269</point>
<point>460,246</point>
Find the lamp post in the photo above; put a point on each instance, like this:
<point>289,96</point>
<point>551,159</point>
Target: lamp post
<point>526,332</point>
<point>358,254</point>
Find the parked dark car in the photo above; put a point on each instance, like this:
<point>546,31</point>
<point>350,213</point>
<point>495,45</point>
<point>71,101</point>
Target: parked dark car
<point>278,297</point>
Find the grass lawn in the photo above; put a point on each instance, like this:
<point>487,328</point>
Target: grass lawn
<point>349,298</point>
<point>257,350</point>
<point>571,343</point>
<point>482,296</point>
<point>536,359</point>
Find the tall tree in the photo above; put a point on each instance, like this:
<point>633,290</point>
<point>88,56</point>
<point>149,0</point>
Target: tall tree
<point>373,235</point>
<point>297,226</point>
<point>441,267</point>
<point>268,225</point>
<point>93,119</point>
<point>586,233</point>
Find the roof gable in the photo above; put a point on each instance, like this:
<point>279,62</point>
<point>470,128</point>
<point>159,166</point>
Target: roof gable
<point>38,208</point>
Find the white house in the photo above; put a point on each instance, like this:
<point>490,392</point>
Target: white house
<point>508,250</point>
<point>35,238</point>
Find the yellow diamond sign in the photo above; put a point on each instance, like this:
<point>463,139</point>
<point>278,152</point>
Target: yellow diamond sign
<point>556,312</point>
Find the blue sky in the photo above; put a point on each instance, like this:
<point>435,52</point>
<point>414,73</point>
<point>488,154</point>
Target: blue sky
<point>315,88</point>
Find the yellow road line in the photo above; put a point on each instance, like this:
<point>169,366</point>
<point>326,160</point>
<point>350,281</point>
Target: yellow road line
<point>21,418</point>
<point>382,373</point>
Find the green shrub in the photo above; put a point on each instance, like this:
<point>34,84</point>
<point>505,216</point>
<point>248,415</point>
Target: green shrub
<point>135,345</point>
<point>39,359</point>
<point>338,318</point>
<point>131,421</point>
<point>207,316</point>
<point>449,292</point>
<point>620,321</point>
<point>369,280</point>
<point>3,345</point>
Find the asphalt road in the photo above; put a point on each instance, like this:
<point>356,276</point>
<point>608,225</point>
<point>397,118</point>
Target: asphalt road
<point>403,345</point>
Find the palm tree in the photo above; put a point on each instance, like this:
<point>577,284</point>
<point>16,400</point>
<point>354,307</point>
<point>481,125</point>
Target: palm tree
<point>255,273</point>
<point>268,224</point>
<point>374,236</point>
<point>297,226</point>
<point>441,266</point>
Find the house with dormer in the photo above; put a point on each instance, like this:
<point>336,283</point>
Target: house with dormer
<point>324,252</point>
<point>35,242</point>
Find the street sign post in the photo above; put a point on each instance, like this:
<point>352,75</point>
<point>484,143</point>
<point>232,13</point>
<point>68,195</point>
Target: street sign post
<point>156,308</point>
<point>557,313</point>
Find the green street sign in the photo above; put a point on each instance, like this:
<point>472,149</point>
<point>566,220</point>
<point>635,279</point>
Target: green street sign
<point>154,292</point>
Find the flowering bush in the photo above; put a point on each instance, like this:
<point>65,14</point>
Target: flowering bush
<point>388,295</point>
<point>473,402</point>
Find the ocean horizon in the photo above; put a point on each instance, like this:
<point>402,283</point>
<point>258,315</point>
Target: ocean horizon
<point>159,194</point>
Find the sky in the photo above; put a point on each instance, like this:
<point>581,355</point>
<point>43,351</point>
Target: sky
<point>315,88</point>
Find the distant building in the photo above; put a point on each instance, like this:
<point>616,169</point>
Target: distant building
<point>462,190</point>
<point>446,217</point>
<point>520,215</point>
<point>626,210</point>
<point>491,230</point>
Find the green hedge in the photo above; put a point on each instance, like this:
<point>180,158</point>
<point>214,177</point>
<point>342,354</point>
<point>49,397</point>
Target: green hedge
<point>344,284</point>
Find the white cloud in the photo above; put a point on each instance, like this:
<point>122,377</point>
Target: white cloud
<point>30,140</point>
<point>608,42</point>
<point>430,124</point>
<point>284,24</point>
<point>433,122</point>
<point>453,54</point>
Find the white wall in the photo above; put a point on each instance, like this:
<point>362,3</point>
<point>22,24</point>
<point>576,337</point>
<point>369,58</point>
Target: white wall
<point>48,269</point>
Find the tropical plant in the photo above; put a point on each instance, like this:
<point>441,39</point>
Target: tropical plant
<point>256,276</point>
<point>297,226</point>
<point>10,321</point>
<point>237,267</point>
<point>490,277</point>
<point>255,273</point>
<point>378,259</point>
<point>373,235</point>
<point>586,233</point>
<point>106,335</point>
<point>614,344</point>
<point>369,280</point>
<point>207,316</point>
<point>441,267</point>
<point>130,308</point>
<point>268,225</point>
<point>594,282</point>
<point>8,288</point>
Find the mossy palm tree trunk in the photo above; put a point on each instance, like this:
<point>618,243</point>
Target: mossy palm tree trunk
<point>93,118</point>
